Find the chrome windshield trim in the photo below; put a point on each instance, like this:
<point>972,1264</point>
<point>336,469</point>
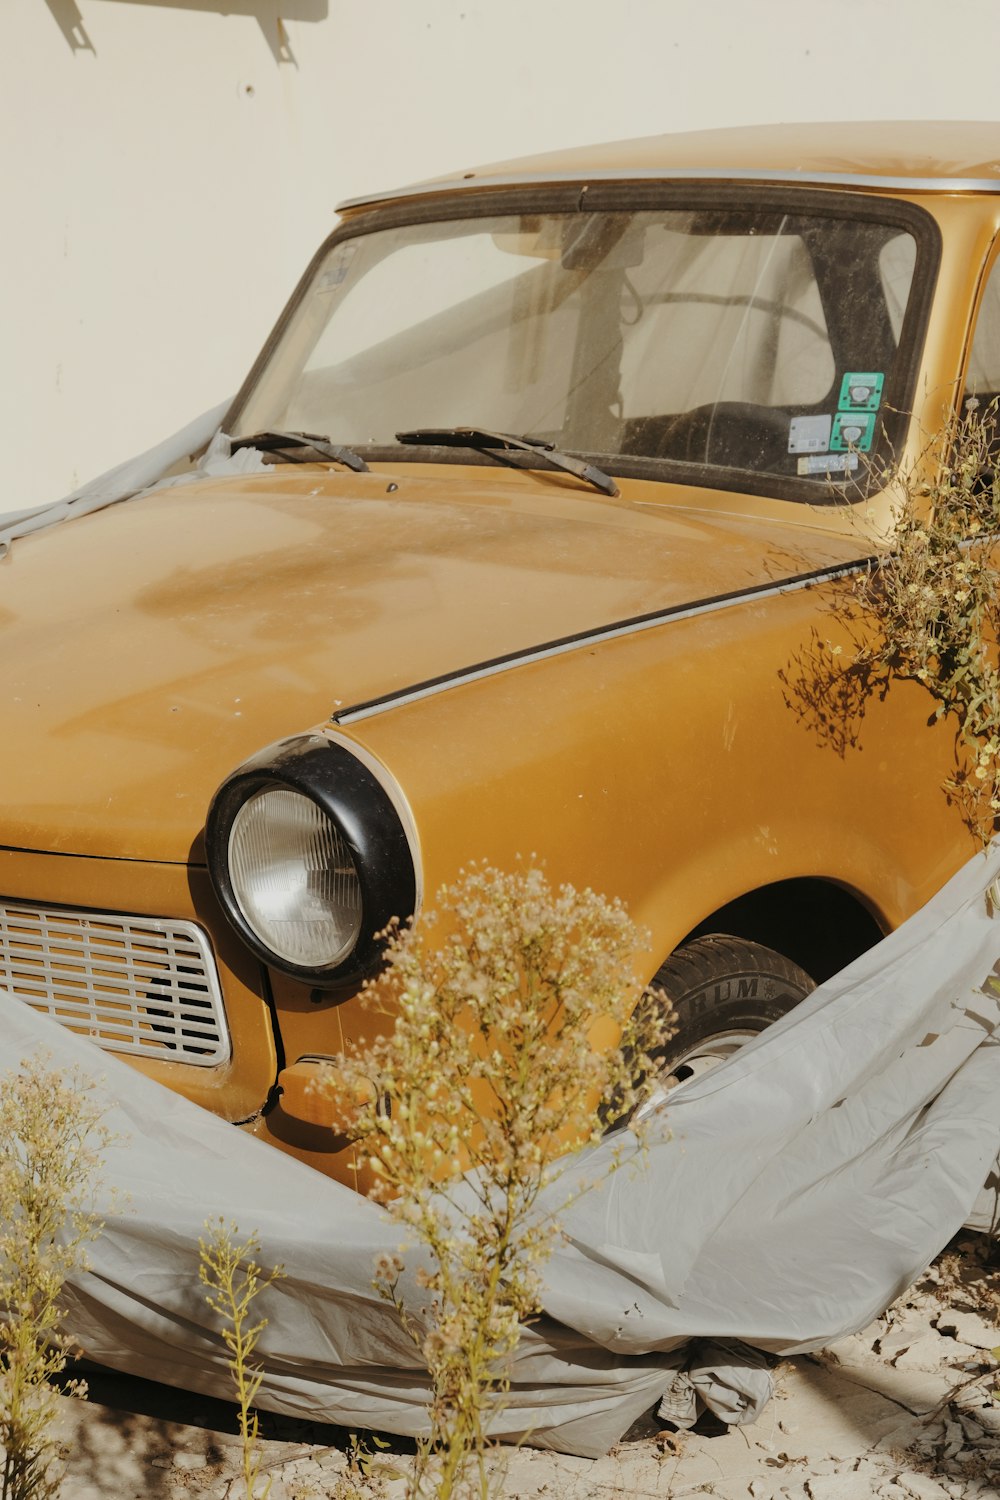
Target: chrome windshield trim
<point>680,174</point>
<point>358,712</point>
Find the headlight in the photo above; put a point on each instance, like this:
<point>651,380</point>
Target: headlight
<point>294,878</point>
<point>308,855</point>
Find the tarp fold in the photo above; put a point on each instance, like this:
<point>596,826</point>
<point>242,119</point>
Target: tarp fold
<point>785,1199</point>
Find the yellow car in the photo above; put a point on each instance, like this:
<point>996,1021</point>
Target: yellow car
<point>564,462</point>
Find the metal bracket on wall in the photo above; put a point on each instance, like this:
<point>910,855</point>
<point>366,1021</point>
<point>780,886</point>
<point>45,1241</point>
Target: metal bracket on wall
<point>67,17</point>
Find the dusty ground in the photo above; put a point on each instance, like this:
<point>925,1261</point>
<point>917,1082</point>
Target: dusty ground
<point>896,1412</point>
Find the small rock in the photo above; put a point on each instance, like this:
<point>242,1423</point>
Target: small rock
<point>929,1352</point>
<point>846,1351</point>
<point>988,1418</point>
<point>974,1431</point>
<point>832,1487</point>
<point>968,1328</point>
<point>922,1487</point>
<point>954,1439</point>
<point>900,1439</point>
<point>327,1460</point>
<point>236,1489</point>
<point>906,1332</point>
<point>190,1461</point>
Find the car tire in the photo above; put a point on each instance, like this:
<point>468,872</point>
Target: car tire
<point>725,990</point>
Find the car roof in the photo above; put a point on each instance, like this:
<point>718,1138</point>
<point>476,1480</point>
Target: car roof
<point>924,155</point>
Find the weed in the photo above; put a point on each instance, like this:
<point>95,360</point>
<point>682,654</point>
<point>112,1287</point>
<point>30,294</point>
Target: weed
<point>232,1278</point>
<point>366,1474</point>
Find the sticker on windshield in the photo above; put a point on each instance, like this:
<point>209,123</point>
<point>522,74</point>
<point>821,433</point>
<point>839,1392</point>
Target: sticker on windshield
<point>336,269</point>
<point>852,430</point>
<point>861,390</point>
<point>827,464</point>
<point>809,434</point>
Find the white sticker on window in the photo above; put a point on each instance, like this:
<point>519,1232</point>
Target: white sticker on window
<point>336,268</point>
<point>809,434</point>
<point>828,463</point>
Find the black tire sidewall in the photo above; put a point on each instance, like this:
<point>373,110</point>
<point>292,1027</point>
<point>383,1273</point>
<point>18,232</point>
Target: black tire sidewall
<point>718,985</point>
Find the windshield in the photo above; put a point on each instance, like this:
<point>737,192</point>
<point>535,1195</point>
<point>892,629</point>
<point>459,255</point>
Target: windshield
<point>750,339</point>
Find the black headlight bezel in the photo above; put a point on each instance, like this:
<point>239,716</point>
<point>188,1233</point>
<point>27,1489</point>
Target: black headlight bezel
<point>358,804</point>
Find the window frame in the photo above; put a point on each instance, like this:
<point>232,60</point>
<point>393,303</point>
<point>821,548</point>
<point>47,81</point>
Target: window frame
<point>636,197</point>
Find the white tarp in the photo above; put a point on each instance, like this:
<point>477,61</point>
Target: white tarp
<point>138,476</point>
<point>788,1197</point>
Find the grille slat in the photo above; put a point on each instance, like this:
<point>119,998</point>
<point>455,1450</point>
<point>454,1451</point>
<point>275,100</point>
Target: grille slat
<point>132,984</point>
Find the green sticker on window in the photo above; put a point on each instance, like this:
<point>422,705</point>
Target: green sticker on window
<point>852,430</point>
<point>861,390</point>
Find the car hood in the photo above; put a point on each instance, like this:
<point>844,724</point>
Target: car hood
<point>148,649</point>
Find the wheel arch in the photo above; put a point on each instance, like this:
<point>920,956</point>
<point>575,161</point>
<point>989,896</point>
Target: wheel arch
<point>818,924</point>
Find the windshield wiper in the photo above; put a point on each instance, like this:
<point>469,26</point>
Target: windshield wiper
<point>496,443</point>
<point>269,442</point>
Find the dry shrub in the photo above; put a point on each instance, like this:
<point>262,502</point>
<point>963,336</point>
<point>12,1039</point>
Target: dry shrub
<point>514,1011</point>
<point>935,599</point>
<point>51,1139</point>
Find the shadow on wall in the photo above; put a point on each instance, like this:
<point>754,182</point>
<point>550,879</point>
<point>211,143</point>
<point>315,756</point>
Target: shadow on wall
<point>270,15</point>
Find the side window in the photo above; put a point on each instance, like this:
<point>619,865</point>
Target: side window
<point>896,263</point>
<point>983,378</point>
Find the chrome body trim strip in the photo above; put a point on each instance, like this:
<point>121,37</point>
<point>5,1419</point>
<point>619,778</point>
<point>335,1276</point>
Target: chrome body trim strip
<point>636,626</point>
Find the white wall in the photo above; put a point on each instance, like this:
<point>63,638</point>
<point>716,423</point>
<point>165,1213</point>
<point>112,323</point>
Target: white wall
<point>170,165</point>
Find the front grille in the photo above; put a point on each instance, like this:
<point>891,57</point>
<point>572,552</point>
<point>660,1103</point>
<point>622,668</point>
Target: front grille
<point>133,984</point>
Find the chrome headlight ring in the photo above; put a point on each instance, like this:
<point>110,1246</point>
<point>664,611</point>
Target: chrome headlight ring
<point>309,859</point>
